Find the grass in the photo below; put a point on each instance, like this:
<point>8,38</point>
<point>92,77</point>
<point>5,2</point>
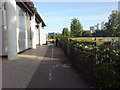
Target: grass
<point>99,40</point>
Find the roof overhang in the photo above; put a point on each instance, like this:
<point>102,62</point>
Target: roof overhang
<point>29,6</point>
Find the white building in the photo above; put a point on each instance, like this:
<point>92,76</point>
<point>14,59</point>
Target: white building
<point>43,37</point>
<point>119,6</point>
<point>102,25</point>
<point>17,27</point>
<point>92,29</point>
<point>97,27</point>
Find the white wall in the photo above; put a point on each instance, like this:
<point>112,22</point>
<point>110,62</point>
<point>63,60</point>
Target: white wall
<point>4,34</point>
<point>29,42</point>
<point>43,37</point>
<point>23,30</point>
<point>3,30</point>
<point>0,31</point>
<point>37,37</point>
<point>11,29</point>
<point>33,32</point>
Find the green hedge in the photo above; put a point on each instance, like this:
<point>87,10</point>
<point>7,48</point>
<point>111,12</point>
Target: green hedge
<point>100,65</point>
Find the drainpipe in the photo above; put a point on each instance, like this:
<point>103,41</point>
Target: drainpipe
<point>11,29</point>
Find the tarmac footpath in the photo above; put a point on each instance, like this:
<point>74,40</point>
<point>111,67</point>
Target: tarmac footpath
<point>55,71</point>
<point>44,67</point>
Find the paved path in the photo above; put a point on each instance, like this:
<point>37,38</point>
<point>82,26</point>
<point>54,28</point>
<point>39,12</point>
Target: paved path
<point>42,68</point>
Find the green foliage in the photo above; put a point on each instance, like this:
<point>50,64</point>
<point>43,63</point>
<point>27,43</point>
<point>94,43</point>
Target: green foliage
<point>63,38</point>
<point>113,25</point>
<point>107,75</point>
<point>49,37</point>
<point>76,28</point>
<point>65,32</point>
<point>100,65</point>
<point>100,33</point>
<point>57,35</point>
<point>86,34</point>
<point>108,51</point>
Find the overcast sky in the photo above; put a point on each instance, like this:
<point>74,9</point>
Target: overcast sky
<point>58,15</point>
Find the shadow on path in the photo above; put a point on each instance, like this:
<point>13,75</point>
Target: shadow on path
<point>55,71</point>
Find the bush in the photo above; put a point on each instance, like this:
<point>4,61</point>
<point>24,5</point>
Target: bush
<point>107,43</point>
<point>100,65</point>
<point>64,38</point>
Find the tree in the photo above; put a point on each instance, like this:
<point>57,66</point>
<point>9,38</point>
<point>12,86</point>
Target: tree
<point>100,33</point>
<point>57,35</point>
<point>118,25</point>
<point>112,26</point>
<point>65,32</point>
<point>76,28</point>
<point>49,37</point>
<point>86,34</point>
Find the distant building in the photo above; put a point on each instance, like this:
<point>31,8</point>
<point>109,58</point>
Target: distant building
<point>97,27</point>
<point>92,29</point>
<point>51,34</point>
<point>119,6</point>
<point>102,25</point>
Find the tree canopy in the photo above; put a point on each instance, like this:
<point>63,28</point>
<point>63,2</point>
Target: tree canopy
<point>76,28</point>
<point>65,32</point>
<point>113,24</point>
<point>100,33</point>
<point>86,34</point>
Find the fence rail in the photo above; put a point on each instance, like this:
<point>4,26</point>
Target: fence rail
<point>100,73</point>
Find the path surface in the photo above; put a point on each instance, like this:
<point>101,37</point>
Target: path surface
<point>46,67</point>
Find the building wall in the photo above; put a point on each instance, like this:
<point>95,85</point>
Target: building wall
<point>37,36</point>
<point>102,25</point>
<point>43,37</point>
<point>0,28</point>
<point>92,29</point>
<point>3,30</point>
<point>23,30</point>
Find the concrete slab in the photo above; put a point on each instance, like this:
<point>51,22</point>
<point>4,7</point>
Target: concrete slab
<point>17,73</point>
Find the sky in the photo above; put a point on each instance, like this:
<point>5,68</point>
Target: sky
<point>58,15</point>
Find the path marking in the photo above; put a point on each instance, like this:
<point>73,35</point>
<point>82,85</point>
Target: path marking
<point>52,53</point>
<point>50,71</point>
<point>50,76</point>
